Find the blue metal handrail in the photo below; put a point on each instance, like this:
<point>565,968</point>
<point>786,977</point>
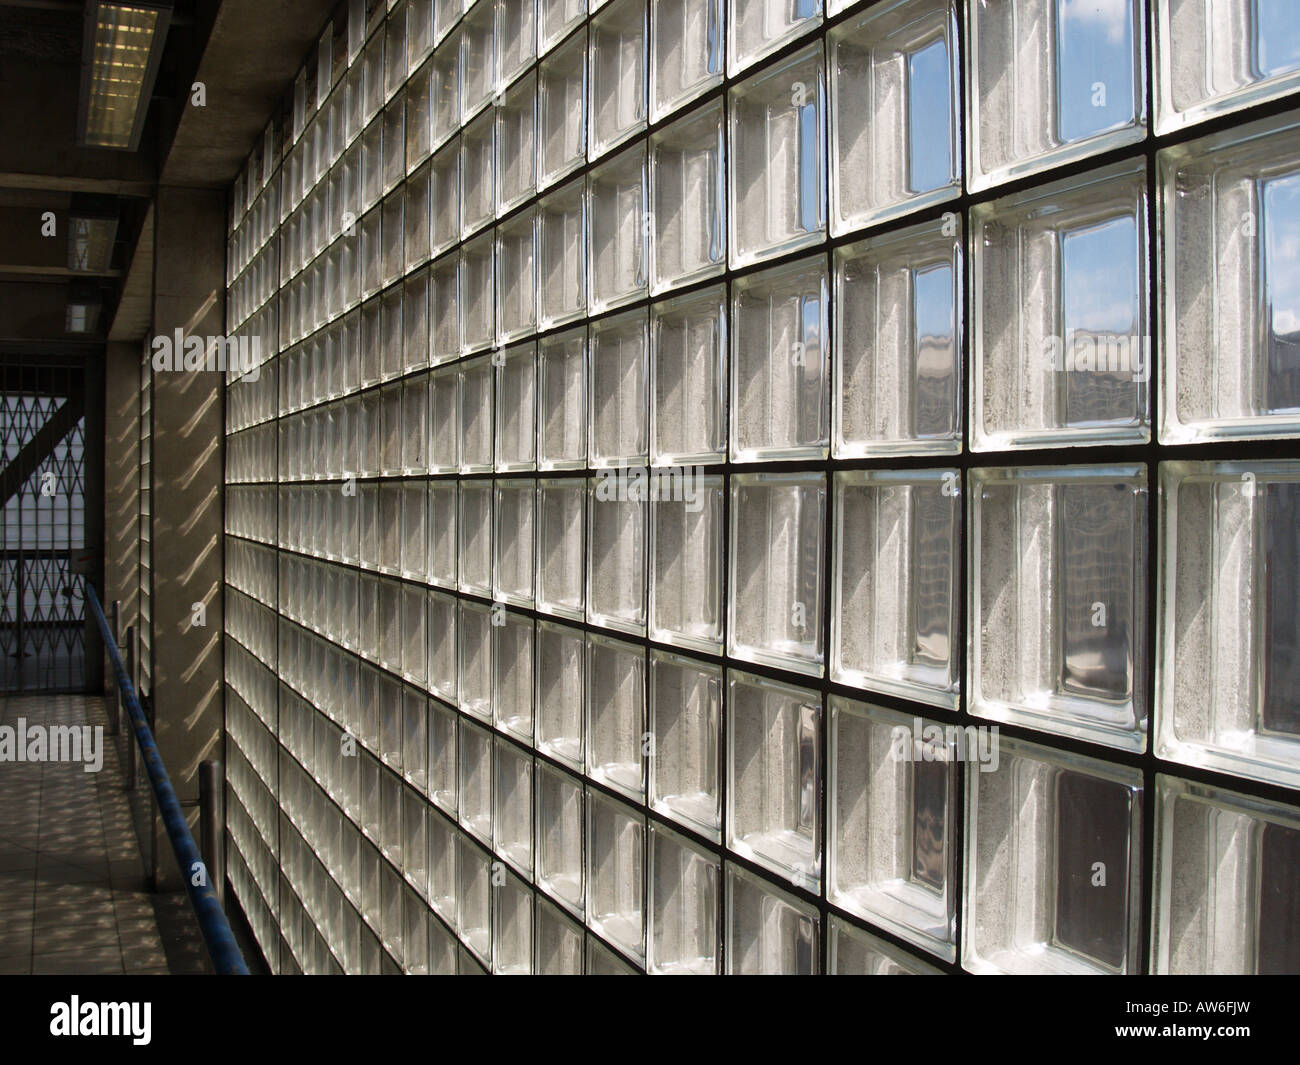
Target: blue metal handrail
<point>220,940</point>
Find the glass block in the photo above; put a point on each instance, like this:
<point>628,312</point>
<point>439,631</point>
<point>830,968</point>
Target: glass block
<point>560,686</point>
<point>775,776</point>
<point>559,836</point>
<point>371,258</point>
<point>516,399</point>
<point>512,929</point>
<point>562,111</point>
<point>444,421</point>
<point>476,416</point>
<point>415,853</point>
<point>475,748</point>
<point>1229,666</point>
<point>444,310</point>
<point>555,19</point>
<point>443,664</point>
<point>419,121</point>
<point>616,210</point>
<point>512,825</point>
<point>416,219</point>
<point>1230,209</point>
<point>474,899</point>
<point>562,401</point>
<point>394,166</point>
<point>478,180</point>
<point>618,75</point>
<point>894,105</point>
<point>1211,57</point>
<point>686,559</point>
<point>561,529</point>
<point>515,550</point>
<point>392,255</point>
<point>615,711</point>
<point>474,654</point>
<point>688,219</point>
<point>390,447</point>
<point>372,165</point>
<point>688,377</point>
<point>1052,864</point>
<point>1058,604</point>
<point>372,65</point>
<point>516,278</point>
<point>478,75</point>
<point>559,942</point>
<point>419,31</point>
<point>686,741</point>
<point>895,586</point>
<point>475,572</point>
<point>777,158</point>
<point>446,14</point>
<point>683,930</point>
<point>443,783</point>
<point>444,91</point>
<point>1225,883</point>
<point>414,646</point>
<point>619,400</point>
<point>516,169</point>
<point>516,37</point>
<point>854,952</point>
<point>444,183</point>
<point>395,65</point>
<point>390,912</point>
<point>898,330</point>
<point>769,931</point>
<point>1061,340</point>
<point>757,28</point>
<point>780,363</point>
<point>415,350</point>
<point>562,256</point>
<point>616,553</point>
<point>512,666</point>
<point>616,873</point>
<point>893,788</point>
<point>777,579</point>
<point>686,47</point>
<point>1051,81</point>
<point>477,310</point>
<point>443,530</point>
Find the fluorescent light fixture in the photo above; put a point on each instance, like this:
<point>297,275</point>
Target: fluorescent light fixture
<point>85,305</point>
<point>120,55</point>
<point>90,243</point>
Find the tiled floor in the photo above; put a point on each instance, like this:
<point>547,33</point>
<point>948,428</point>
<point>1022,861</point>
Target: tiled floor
<point>72,896</point>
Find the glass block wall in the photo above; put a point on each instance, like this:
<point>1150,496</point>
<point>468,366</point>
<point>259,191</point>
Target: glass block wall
<point>750,486</point>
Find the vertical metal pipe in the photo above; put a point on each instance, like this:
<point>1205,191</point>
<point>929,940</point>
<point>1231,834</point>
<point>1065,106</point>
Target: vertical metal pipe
<point>212,824</point>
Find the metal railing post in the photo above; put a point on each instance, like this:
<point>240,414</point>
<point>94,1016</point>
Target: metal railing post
<point>212,824</point>
<point>130,672</point>
<point>153,812</point>
<point>115,725</point>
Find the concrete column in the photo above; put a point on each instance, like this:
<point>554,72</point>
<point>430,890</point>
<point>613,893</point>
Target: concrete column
<point>187,488</point>
<point>122,485</point>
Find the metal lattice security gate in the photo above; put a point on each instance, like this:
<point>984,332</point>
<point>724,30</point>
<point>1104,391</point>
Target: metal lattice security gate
<point>45,558</point>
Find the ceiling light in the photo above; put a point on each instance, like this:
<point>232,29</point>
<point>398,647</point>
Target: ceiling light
<point>90,243</point>
<point>85,305</point>
<point>123,44</point>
